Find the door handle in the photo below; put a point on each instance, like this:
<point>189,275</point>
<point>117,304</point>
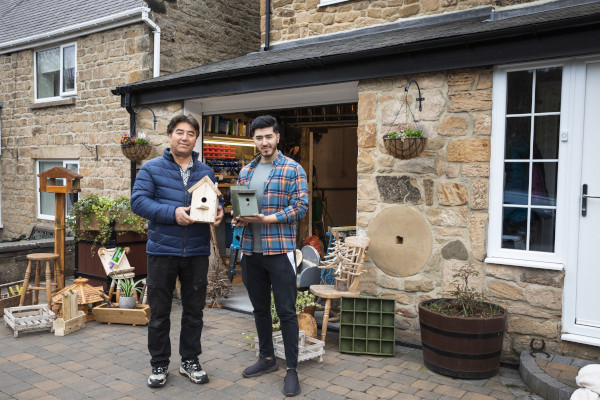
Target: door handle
<point>584,197</point>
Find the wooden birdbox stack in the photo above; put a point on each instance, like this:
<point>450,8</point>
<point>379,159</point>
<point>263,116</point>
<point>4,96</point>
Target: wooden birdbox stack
<point>72,319</point>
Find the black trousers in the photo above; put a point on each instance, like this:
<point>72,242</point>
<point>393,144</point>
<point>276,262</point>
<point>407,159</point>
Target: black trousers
<point>261,274</point>
<point>162,274</point>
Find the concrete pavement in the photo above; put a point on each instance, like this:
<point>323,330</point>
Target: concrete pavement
<point>111,362</point>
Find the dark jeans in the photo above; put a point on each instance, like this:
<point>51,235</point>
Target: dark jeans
<point>162,274</point>
<point>261,274</point>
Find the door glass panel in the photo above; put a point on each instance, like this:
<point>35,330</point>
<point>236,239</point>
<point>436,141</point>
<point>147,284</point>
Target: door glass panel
<point>519,89</point>
<point>516,183</point>
<point>545,137</point>
<point>514,228</point>
<point>541,233</point>
<point>548,85</point>
<point>543,183</point>
<point>518,138</point>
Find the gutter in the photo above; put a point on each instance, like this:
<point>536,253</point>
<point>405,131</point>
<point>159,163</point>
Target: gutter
<point>100,24</point>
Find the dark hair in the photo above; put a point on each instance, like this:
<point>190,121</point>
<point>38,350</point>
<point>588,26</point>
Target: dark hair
<point>183,118</point>
<point>264,121</point>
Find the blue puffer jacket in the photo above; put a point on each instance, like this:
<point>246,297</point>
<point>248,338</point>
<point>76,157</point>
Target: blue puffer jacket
<point>157,192</point>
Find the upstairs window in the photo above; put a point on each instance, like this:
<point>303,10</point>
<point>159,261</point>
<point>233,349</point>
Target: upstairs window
<point>55,72</point>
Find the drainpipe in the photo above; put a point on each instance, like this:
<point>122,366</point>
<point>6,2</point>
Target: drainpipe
<point>267,24</point>
<point>129,108</point>
<point>156,30</point>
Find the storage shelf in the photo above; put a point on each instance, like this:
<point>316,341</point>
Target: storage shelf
<point>367,326</point>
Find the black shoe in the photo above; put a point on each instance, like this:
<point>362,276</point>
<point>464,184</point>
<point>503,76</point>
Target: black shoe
<point>291,386</point>
<point>158,377</point>
<point>260,367</point>
<point>192,369</point>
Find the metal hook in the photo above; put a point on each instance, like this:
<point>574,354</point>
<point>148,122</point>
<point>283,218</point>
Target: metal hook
<point>149,109</point>
<point>419,99</point>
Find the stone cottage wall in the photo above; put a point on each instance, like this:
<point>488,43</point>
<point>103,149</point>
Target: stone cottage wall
<point>200,32</point>
<point>297,19</point>
<point>448,186</point>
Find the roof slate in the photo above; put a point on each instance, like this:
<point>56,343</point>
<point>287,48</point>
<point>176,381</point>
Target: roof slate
<point>20,19</point>
<point>365,43</point>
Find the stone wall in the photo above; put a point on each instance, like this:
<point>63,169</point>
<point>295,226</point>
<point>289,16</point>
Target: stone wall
<point>200,32</point>
<point>448,186</point>
<point>297,19</point>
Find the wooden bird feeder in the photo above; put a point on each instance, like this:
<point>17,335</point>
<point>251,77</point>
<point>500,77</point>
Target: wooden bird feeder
<point>51,181</point>
<point>86,296</point>
<point>205,201</point>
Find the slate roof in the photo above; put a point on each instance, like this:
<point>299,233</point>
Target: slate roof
<point>426,34</point>
<point>21,19</point>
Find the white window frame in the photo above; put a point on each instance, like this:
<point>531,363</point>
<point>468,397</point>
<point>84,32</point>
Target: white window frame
<point>324,3</point>
<point>62,94</point>
<point>37,180</point>
<point>526,258</point>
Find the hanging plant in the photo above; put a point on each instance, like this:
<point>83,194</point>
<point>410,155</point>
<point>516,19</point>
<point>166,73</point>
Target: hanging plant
<point>135,148</point>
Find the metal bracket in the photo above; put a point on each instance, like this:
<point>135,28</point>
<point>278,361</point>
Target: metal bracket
<point>419,99</point>
<point>14,152</point>
<point>91,149</point>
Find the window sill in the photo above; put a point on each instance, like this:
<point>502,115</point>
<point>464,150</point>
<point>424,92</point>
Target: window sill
<point>525,263</point>
<point>325,3</point>
<point>572,337</point>
<point>63,102</point>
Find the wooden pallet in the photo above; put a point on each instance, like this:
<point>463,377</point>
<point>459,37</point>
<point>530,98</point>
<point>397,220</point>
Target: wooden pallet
<point>140,315</point>
<point>29,318</point>
<point>308,347</point>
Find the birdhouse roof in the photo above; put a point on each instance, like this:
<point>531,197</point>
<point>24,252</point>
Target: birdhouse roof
<point>60,172</point>
<point>205,181</point>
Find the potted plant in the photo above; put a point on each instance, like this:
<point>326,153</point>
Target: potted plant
<point>405,143</point>
<point>128,288</point>
<point>462,335</point>
<point>135,148</point>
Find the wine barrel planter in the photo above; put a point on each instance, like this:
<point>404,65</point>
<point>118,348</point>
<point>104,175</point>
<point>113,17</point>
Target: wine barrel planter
<point>466,348</point>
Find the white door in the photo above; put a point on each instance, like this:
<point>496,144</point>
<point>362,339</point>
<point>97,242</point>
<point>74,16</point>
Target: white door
<point>587,311</point>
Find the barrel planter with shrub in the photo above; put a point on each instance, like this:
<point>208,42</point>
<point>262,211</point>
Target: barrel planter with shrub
<point>461,347</point>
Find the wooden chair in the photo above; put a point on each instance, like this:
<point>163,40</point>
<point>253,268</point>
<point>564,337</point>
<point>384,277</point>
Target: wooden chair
<point>349,268</point>
<point>38,258</point>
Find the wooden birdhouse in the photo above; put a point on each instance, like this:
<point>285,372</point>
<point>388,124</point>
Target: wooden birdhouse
<point>49,181</point>
<point>205,201</point>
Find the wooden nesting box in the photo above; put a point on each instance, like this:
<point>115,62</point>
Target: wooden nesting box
<point>205,201</point>
<point>243,201</point>
<point>51,181</point>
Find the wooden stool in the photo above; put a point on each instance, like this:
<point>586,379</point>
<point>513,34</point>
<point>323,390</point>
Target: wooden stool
<point>38,258</point>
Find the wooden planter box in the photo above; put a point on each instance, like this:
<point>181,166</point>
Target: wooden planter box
<point>29,318</point>
<point>7,300</point>
<point>140,315</point>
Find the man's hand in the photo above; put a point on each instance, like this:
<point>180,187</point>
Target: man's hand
<point>259,219</point>
<point>182,217</point>
<point>219,216</point>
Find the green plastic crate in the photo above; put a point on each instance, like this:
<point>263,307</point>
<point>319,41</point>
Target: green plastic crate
<point>367,326</point>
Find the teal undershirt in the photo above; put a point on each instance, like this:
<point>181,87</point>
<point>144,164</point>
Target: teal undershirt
<point>260,176</point>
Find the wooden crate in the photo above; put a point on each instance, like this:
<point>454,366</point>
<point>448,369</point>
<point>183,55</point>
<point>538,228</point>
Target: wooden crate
<point>140,315</point>
<point>29,318</point>
<point>307,348</point>
<point>63,327</point>
<point>7,300</point>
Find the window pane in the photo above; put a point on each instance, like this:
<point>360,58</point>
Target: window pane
<point>518,92</point>
<point>71,197</point>
<point>514,228</point>
<point>518,137</point>
<point>548,85</point>
<point>47,199</point>
<point>47,72</point>
<point>543,223</point>
<point>516,182</point>
<point>68,69</point>
<point>545,137</point>
<point>543,183</point>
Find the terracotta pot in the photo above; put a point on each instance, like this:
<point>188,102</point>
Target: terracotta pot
<point>466,348</point>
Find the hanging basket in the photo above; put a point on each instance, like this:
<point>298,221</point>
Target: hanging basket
<point>410,147</point>
<point>136,152</point>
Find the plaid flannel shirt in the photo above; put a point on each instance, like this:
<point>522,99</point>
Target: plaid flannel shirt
<point>286,196</point>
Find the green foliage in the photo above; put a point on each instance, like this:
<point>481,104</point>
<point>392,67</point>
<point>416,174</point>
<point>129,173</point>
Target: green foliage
<point>249,337</point>
<point>127,140</point>
<point>466,301</point>
<point>303,300</point>
<point>128,286</point>
<point>406,133</point>
<point>93,214</point>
